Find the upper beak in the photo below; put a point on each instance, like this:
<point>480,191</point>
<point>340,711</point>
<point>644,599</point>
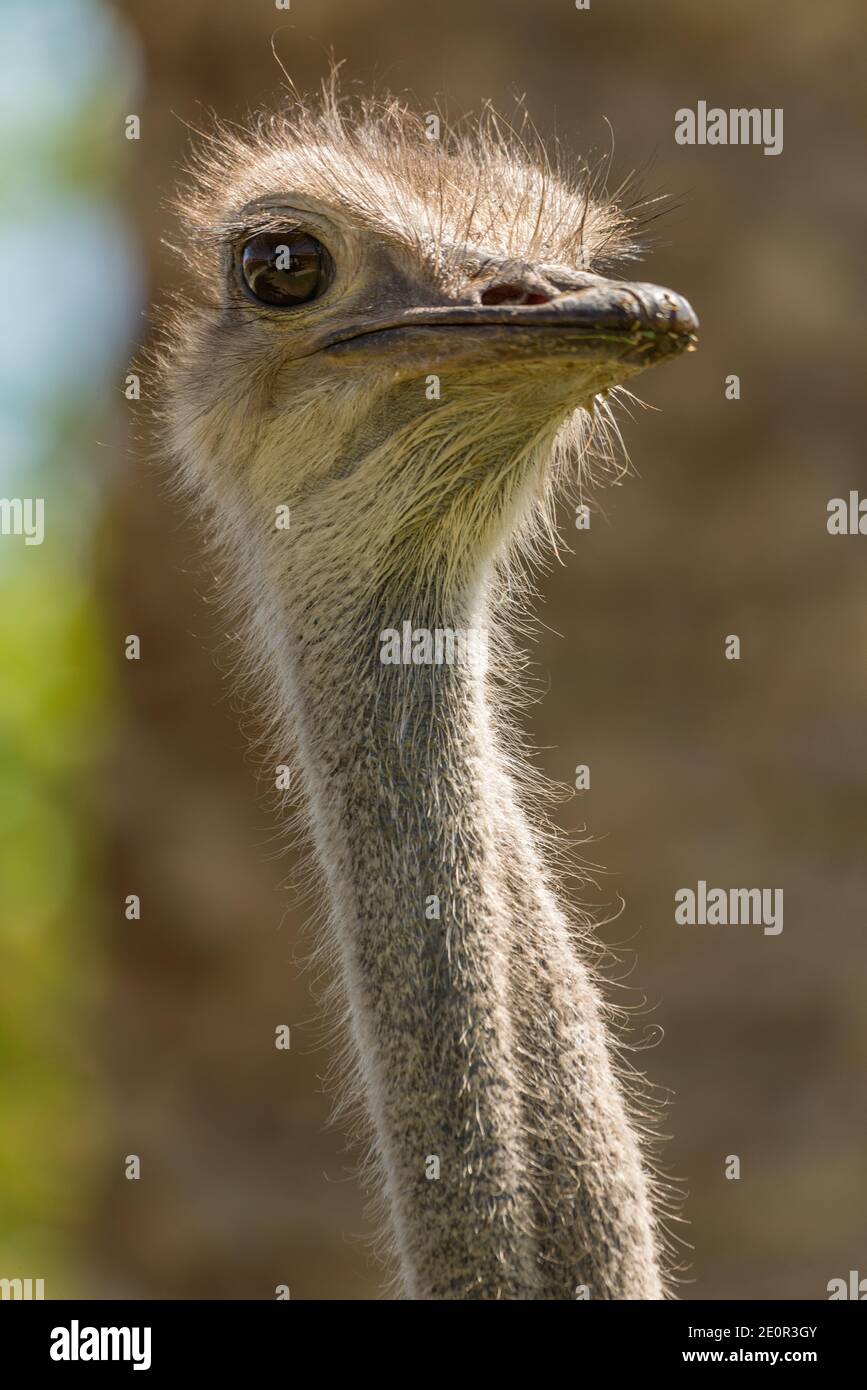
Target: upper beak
<point>597,320</point>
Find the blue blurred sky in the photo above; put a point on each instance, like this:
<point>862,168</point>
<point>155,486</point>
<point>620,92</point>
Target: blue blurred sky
<point>71,288</point>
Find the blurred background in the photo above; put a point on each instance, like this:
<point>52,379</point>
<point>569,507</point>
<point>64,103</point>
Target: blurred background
<point>156,1037</point>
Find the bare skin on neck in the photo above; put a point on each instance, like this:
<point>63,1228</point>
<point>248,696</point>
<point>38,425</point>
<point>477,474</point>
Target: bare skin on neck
<point>403,345</point>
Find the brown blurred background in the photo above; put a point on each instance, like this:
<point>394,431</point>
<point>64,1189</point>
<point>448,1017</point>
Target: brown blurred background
<point>746,773</point>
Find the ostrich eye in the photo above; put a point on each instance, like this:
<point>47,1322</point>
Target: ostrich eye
<point>285,268</point>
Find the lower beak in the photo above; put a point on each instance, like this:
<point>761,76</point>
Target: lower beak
<point>606,321</point>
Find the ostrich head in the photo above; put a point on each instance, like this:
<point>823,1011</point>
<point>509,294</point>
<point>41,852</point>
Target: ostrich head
<point>403,338</point>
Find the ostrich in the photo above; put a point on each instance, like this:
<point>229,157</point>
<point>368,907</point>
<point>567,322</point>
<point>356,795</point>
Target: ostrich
<point>400,346</point>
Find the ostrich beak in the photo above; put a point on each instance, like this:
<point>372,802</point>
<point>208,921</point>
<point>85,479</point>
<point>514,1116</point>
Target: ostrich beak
<point>632,325</point>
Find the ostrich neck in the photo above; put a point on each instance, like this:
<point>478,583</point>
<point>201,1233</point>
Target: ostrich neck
<point>509,1164</point>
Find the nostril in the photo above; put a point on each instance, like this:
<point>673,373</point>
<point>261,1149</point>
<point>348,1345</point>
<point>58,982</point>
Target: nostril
<point>511,293</point>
